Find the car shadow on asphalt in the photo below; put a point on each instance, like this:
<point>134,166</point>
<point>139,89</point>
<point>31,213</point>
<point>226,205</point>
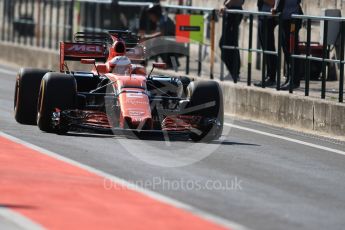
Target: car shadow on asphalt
<point>226,142</point>
<point>159,138</point>
<point>91,135</point>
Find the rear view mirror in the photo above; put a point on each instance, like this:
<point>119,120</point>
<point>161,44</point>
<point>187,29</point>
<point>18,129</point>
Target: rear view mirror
<point>88,61</point>
<point>159,65</point>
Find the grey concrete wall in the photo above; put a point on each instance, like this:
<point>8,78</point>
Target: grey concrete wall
<point>268,106</point>
<point>26,56</point>
<point>281,109</point>
<point>29,56</point>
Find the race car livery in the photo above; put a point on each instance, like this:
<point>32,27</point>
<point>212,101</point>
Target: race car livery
<point>117,93</point>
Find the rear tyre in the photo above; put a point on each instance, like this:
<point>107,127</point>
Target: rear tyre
<point>206,101</point>
<point>26,94</point>
<point>57,91</point>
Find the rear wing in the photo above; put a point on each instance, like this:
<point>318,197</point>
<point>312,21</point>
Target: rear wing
<point>76,51</point>
<point>93,37</point>
<point>130,39</point>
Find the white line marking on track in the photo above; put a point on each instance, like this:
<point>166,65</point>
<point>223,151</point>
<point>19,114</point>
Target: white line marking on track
<point>154,195</point>
<point>19,220</point>
<point>286,139</point>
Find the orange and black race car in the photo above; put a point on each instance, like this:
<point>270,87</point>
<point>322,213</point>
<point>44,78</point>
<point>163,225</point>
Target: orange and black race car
<point>117,93</point>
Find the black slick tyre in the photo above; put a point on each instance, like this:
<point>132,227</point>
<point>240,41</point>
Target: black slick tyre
<point>206,101</point>
<point>57,91</point>
<point>26,95</point>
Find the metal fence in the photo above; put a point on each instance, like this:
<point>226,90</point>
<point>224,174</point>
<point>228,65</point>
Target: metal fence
<point>210,15</point>
<point>307,57</point>
<point>37,22</point>
<point>251,50</point>
<point>324,60</point>
<point>43,23</point>
<point>211,21</point>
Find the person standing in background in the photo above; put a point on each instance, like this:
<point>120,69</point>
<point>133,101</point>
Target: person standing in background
<point>145,26</point>
<point>287,8</point>
<point>165,26</point>
<point>230,36</point>
<point>269,44</point>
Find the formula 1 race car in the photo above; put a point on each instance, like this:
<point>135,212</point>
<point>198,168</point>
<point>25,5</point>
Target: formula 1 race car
<point>117,94</point>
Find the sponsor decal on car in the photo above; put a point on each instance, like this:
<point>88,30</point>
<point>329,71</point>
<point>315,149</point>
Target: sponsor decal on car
<point>85,48</point>
<point>136,113</point>
<point>135,95</point>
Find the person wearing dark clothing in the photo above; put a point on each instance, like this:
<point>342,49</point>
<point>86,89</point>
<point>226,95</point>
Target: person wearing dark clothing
<point>230,36</point>
<point>164,27</point>
<point>146,26</point>
<point>266,28</point>
<point>287,8</point>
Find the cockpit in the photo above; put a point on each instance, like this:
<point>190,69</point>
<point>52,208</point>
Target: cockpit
<point>120,65</point>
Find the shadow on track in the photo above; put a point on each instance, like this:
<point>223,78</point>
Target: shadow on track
<point>91,135</point>
<point>232,143</point>
<point>157,137</point>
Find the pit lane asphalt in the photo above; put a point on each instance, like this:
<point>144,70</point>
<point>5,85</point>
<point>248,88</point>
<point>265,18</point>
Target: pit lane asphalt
<point>282,185</point>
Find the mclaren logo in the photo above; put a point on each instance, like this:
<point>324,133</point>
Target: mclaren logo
<point>85,48</point>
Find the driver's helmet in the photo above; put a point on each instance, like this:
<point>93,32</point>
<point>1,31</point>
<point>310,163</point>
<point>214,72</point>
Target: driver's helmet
<point>120,65</point>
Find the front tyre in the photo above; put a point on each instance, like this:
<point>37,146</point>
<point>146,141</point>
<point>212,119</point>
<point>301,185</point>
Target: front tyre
<point>57,91</point>
<point>206,101</point>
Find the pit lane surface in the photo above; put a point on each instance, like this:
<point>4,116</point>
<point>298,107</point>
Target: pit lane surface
<point>271,183</point>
